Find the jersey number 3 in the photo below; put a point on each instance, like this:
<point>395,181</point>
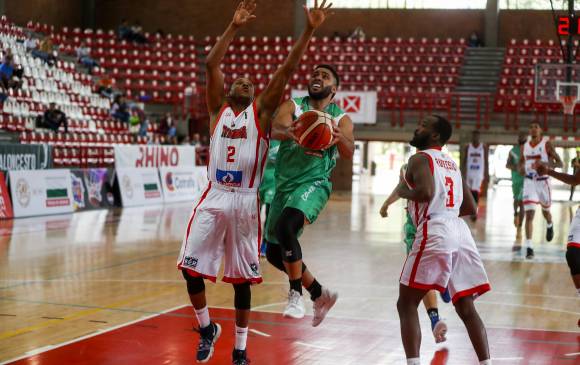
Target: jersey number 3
<point>231,153</point>
<point>449,185</point>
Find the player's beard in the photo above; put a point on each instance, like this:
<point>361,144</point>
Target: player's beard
<point>322,94</point>
<point>421,141</point>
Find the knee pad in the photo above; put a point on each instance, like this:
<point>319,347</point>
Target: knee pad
<point>573,259</point>
<point>242,296</point>
<point>194,285</point>
<point>274,256</point>
<point>289,224</point>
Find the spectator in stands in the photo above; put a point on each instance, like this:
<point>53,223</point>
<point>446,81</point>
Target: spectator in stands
<point>186,141</point>
<point>124,31</point>
<point>84,57</point>
<point>120,110</point>
<point>474,40</point>
<point>53,118</point>
<point>358,34</point>
<point>30,43</point>
<point>46,51</point>
<point>137,33</point>
<point>105,85</point>
<point>204,141</point>
<point>8,73</point>
<point>168,128</point>
<point>196,140</point>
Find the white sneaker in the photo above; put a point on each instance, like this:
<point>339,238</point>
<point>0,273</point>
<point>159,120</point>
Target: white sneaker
<point>295,307</point>
<point>440,331</point>
<point>322,305</point>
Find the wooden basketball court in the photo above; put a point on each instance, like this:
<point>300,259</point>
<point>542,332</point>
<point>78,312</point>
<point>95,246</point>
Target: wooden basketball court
<point>101,287</point>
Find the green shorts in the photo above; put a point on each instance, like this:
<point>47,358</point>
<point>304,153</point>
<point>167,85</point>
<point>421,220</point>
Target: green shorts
<point>309,198</point>
<point>518,189</point>
<point>410,230</point>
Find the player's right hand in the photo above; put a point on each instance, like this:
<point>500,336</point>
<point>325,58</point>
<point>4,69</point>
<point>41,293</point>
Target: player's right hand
<point>384,211</point>
<point>541,168</point>
<point>291,133</point>
<point>244,13</point>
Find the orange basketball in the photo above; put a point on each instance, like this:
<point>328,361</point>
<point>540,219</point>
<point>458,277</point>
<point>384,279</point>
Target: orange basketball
<point>314,130</point>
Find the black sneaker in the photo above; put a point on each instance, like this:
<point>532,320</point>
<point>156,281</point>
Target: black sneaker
<point>239,357</point>
<point>208,337</point>
<point>550,233</point>
<point>529,253</point>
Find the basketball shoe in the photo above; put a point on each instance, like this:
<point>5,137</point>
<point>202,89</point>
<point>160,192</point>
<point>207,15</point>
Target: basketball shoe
<point>322,305</point>
<point>239,357</point>
<point>295,307</point>
<point>208,338</point>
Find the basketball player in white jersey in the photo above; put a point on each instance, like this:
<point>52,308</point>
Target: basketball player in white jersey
<point>536,187</point>
<point>226,218</point>
<point>573,249</point>
<point>475,167</point>
<point>444,253</point>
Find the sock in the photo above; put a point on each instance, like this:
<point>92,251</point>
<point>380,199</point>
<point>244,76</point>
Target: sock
<point>528,243</point>
<point>433,316</point>
<point>414,361</point>
<point>241,338</point>
<point>550,225</point>
<point>296,285</point>
<point>315,290</point>
<point>485,362</point>
<point>202,317</point>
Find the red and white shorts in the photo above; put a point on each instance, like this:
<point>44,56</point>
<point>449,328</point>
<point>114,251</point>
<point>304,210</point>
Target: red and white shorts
<point>225,223</point>
<point>537,192</point>
<point>444,256</point>
<point>474,181</point>
<point>574,233</point>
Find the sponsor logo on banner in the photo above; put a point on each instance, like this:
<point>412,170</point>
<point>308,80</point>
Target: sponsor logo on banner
<point>5,205</point>
<point>78,192</point>
<point>127,156</point>
<point>139,186</point>
<point>361,106</point>
<point>23,192</point>
<point>128,185</point>
<point>24,157</point>
<point>182,183</point>
<point>151,190</point>
<point>229,178</point>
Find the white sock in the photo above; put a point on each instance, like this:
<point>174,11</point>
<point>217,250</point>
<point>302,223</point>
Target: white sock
<point>414,361</point>
<point>241,338</point>
<point>202,317</point>
<point>485,362</point>
<point>528,243</point>
<point>550,225</point>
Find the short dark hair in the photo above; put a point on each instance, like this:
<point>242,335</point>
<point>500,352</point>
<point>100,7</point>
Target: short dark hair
<point>444,128</point>
<point>332,70</point>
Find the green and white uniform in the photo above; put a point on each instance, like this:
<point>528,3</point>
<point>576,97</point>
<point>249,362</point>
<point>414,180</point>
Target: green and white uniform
<point>302,175</point>
<point>268,185</point>
<point>517,179</point>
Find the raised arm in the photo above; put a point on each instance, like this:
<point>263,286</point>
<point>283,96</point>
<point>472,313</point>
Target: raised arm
<point>214,77</point>
<point>544,169</point>
<point>282,126</point>
<point>269,100</point>
<point>555,160</point>
<point>419,174</point>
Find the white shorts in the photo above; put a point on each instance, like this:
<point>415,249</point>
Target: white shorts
<point>474,182</point>
<point>444,256</point>
<point>574,233</point>
<point>225,222</point>
<point>537,192</point>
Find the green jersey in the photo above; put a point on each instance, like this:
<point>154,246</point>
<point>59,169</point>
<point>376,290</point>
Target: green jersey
<point>268,180</point>
<point>296,165</point>
<point>515,155</point>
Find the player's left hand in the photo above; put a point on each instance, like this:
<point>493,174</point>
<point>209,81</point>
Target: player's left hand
<point>318,14</point>
<point>540,167</point>
<point>337,135</point>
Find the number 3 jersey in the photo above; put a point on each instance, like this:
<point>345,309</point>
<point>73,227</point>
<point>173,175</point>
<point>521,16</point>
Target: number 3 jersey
<point>448,194</point>
<point>238,149</point>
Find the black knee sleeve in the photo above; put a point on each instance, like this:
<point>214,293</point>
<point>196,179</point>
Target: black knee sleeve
<point>242,296</point>
<point>573,259</point>
<point>194,285</point>
<point>274,256</point>
<point>289,224</point>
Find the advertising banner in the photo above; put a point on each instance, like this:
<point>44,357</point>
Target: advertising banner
<point>41,192</point>
<point>24,157</point>
<point>182,183</point>
<point>146,156</point>
<point>139,186</point>
<point>92,189</point>
<point>361,106</point>
<point>5,205</point>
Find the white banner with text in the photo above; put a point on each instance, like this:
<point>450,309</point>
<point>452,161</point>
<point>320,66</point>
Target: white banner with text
<point>361,106</point>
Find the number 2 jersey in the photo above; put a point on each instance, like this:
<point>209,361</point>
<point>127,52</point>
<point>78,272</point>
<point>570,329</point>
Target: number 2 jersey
<point>448,194</point>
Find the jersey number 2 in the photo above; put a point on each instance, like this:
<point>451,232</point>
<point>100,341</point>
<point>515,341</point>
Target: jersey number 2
<point>449,185</point>
<point>231,153</point>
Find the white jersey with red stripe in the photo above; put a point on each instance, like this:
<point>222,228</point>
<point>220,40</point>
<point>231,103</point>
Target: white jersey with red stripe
<point>238,149</point>
<point>533,153</point>
<point>448,194</point>
<point>475,160</point>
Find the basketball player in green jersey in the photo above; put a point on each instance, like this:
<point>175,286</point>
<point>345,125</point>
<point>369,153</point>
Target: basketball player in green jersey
<point>268,185</point>
<point>517,188</point>
<point>303,188</point>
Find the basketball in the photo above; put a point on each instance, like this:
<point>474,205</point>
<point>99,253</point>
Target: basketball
<point>314,130</point>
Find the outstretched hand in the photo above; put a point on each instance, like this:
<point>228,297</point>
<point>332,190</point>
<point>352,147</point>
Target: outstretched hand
<point>318,14</point>
<point>244,13</point>
<point>541,168</point>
